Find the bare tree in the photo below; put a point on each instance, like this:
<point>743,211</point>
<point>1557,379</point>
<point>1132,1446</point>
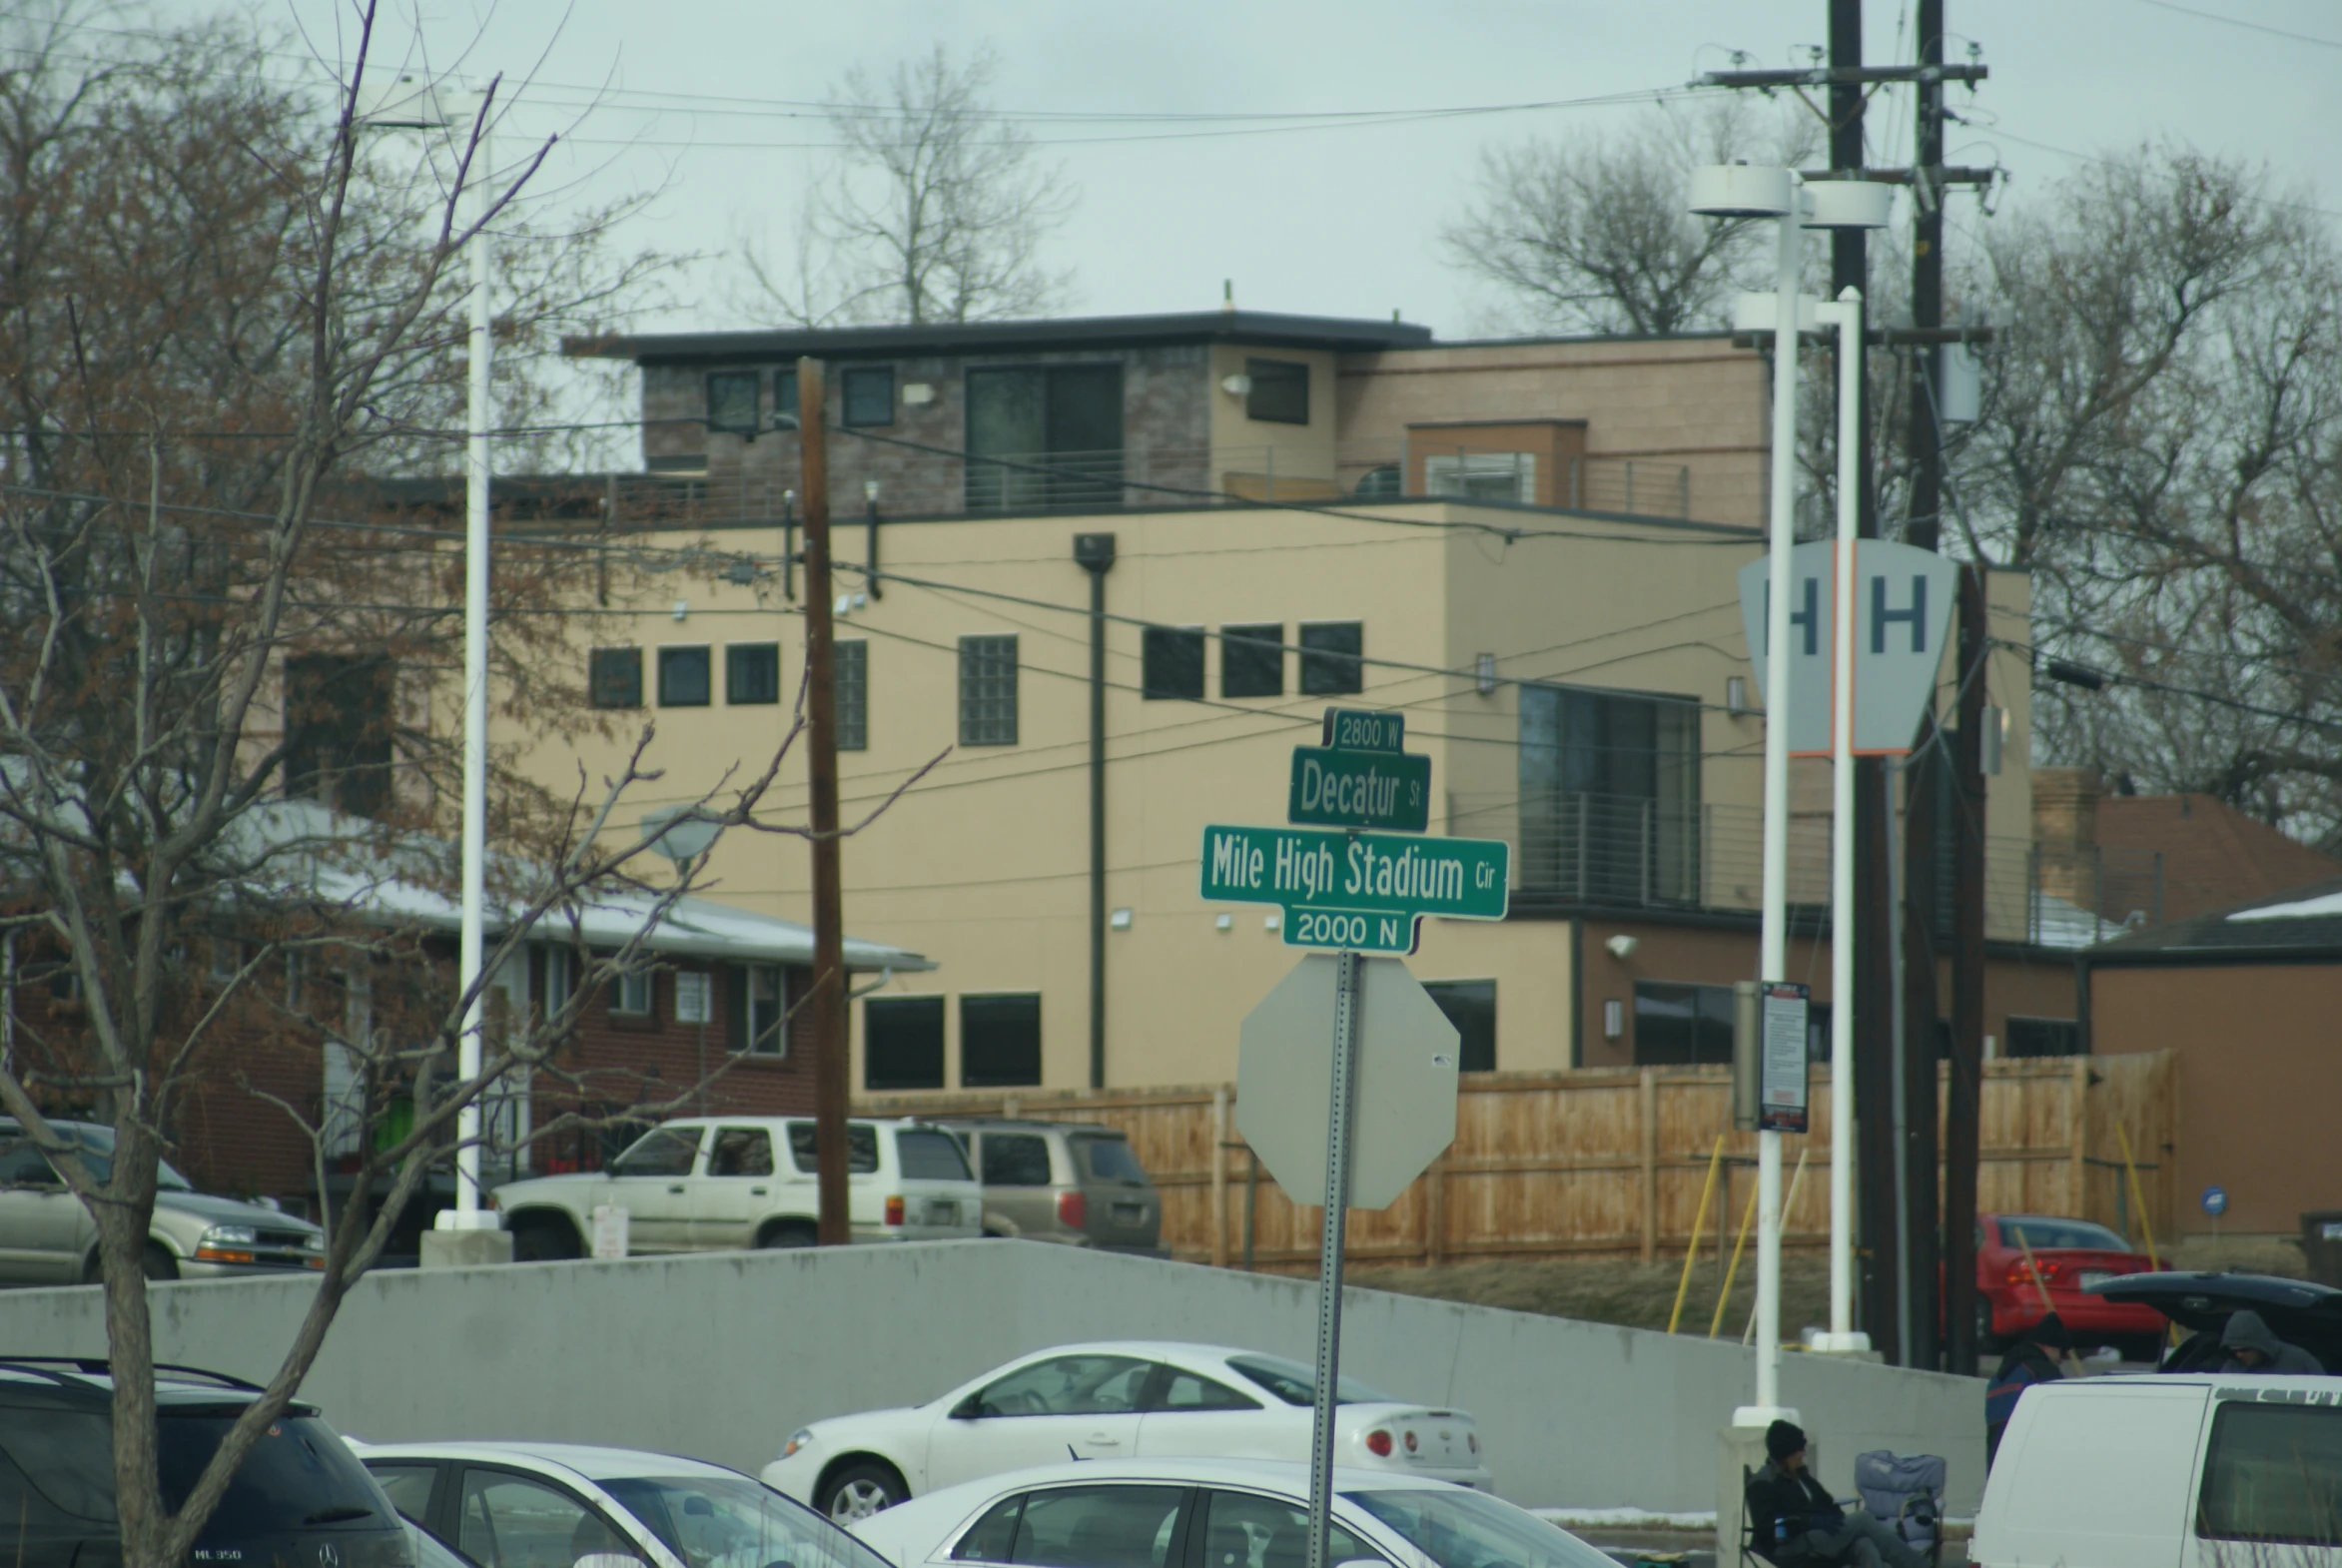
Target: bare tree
<point>1589,234</point>
<point>220,317</point>
<point>935,212</point>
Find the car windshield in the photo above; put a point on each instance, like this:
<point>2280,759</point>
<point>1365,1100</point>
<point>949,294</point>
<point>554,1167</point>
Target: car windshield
<point>1461,1529</point>
<point>1111,1160</point>
<point>724,1521</point>
<point>2050,1236</point>
<point>1297,1384</point>
<point>929,1156</point>
<point>97,1154</point>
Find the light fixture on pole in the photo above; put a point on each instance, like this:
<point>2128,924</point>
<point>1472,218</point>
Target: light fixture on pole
<point>1749,191</point>
<point>409,105</point>
<point>1843,204</point>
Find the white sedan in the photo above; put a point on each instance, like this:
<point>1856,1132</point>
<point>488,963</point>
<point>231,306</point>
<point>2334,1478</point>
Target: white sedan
<point>1113,1401</point>
<point>1202,1513</point>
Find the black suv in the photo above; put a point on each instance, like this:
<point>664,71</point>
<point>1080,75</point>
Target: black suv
<point>302,1500</point>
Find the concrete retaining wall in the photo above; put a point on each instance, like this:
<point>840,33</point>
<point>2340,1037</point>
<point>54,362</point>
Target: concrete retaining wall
<point>722,1355</point>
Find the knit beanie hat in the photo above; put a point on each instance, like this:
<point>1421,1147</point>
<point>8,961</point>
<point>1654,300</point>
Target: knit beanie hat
<point>1784,1439</point>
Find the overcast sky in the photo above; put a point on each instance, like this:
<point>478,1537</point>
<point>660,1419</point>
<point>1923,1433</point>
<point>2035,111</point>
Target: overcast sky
<point>1330,221</point>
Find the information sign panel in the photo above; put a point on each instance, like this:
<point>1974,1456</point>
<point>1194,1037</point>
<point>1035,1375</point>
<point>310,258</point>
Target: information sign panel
<point>1781,1097</point>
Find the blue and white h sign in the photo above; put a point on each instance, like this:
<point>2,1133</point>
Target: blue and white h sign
<point>1904,598</point>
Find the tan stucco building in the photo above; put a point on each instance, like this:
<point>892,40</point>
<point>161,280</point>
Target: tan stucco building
<point>1527,548</point>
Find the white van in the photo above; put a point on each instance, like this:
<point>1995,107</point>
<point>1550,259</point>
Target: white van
<point>2173,1471</point>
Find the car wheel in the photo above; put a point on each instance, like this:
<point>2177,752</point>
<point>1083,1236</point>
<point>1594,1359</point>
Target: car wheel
<point>158,1263</point>
<point>540,1238</point>
<point>856,1491</point>
<point>787,1235</point>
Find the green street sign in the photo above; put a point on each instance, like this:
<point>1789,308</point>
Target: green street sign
<point>1359,789</point>
<point>1310,869</point>
<point>1361,931</point>
<point>1363,729</point>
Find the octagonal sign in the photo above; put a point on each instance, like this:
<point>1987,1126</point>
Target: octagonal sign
<point>1403,1113</point>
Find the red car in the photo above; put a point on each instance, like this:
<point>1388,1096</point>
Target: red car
<point>2072,1257</point>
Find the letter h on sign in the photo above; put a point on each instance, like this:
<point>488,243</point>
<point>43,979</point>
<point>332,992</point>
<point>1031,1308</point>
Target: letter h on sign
<point>1917,615</point>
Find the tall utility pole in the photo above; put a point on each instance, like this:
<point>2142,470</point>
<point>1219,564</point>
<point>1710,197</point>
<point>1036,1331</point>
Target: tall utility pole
<point>1963,1118</point>
<point>1094,553</point>
<point>828,999</point>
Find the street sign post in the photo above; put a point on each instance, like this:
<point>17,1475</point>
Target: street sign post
<point>1354,890</point>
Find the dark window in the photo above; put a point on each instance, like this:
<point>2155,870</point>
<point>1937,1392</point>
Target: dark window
<point>1470,1005</point>
<point>68,1455</point>
<point>930,1155</point>
<point>1185,1390</point>
<point>850,688</point>
<point>1000,1042</point>
<point>756,1022</point>
<point>338,724</point>
<point>752,672</point>
<point>1296,1384</point>
<point>667,1152</point>
<point>1252,661</point>
<point>1676,1025</point>
<point>1246,1527</point>
<point>1610,795</point>
<point>632,993</point>
<point>1281,391</point>
<point>2044,1037</point>
<point>741,1152</point>
<point>409,1486</point>
<point>1100,1527</point>
<point>300,1469</point>
<point>1055,430</point>
<point>995,1535</point>
<point>988,691</point>
<point>785,397</point>
<point>731,402</point>
<point>505,1521</point>
<point>1016,1160</point>
<point>1108,1158</point>
<point>861,1147</point>
<point>2270,1475</point>
<point>904,1046</point>
<point>1171,662</point>
<point>683,678</point>
<point>1330,658</point>
<point>614,676</point>
<point>870,395</point>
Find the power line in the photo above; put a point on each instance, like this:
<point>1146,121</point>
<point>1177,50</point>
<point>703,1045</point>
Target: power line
<point>2238,21</point>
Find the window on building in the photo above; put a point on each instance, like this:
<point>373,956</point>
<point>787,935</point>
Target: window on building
<point>850,688</point>
<point>988,691</point>
<point>1331,651</point>
<point>2044,1037</point>
<point>1470,1005</point>
<point>1680,1025</point>
<point>1279,392</point>
<point>785,397</point>
<point>903,1043</point>
<point>1609,795</point>
<point>560,979</point>
<point>1252,661</point>
<point>694,999</point>
<point>756,1023</point>
<point>752,673</point>
<point>632,993</point>
<point>1171,662</point>
<point>731,402</point>
<point>1060,424</point>
<point>683,678</point>
<point>1482,476</point>
<point>870,395</point>
<point>1000,1042</point>
<point>338,721</point>
<point>613,676</point>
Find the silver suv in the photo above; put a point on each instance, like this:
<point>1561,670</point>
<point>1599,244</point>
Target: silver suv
<point>1064,1181</point>
<point>47,1236</point>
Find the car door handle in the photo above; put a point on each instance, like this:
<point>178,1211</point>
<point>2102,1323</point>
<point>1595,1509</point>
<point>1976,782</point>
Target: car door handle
<point>1105,1440</point>
<point>756,1191</point>
<point>678,1187</point>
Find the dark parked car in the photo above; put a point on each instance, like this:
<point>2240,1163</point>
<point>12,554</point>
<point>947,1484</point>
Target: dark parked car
<point>300,1498</point>
<point>2297,1311</point>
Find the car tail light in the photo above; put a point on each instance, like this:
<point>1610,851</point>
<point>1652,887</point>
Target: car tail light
<point>2022,1273</point>
<point>1378,1443</point>
<point>1410,1442</point>
<point>1073,1209</point>
<point>895,1210</point>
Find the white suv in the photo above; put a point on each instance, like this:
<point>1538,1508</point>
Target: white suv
<point>706,1184</point>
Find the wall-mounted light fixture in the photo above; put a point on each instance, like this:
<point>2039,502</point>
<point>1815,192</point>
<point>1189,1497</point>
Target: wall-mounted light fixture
<point>1621,947</point>
<point>1273,923</point>
<point>1236,385</point>
<point>1223,922</point>
<point>918,394</point>
<point>1119,919</point>
<point>1736,695</point>
<point>1613,1018</point>
<point>681,609</point>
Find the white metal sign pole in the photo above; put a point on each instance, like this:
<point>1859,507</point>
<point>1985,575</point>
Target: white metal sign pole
<point>1841,849</point>
<point>1773,961</point>
<point>1347,986</point>
<point>480,347</point>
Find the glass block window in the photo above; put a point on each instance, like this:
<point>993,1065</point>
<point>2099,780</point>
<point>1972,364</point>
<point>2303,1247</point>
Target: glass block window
<point>988,691</point>
<point>614,677</point>
<point>1330,658</point>
<point>1252,661</point>
<point>731,402</point>
<point>752,672</point>
<point>850,681</point>
<point>1171,662</point>
<point>683,677</point>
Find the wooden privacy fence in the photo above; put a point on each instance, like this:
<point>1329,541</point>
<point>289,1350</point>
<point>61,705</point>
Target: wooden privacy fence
<point>1595,1162</point>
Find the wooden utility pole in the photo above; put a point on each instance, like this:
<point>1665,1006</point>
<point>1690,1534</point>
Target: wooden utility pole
<point>828,997</point>
<point>1964,1105</point>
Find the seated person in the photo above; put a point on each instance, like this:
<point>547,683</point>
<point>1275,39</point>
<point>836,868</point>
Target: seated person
<point>1795,1521</point>
<point>2253,1346</point>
